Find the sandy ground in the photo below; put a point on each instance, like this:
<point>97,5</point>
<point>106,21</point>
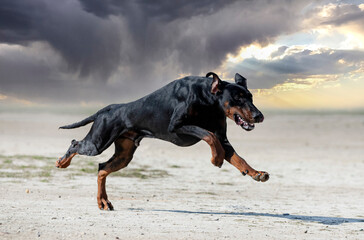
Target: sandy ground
<point>316,189</point>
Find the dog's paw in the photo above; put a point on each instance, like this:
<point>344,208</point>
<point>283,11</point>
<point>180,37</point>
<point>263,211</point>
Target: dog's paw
<point>261,176</point>
<point>105,204</point>
<point>63,162</point>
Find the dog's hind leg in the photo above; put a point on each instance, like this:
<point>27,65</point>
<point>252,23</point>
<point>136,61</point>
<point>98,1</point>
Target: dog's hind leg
<point>125,147</point>
<point>65,161</point>
<point>83,147</point>
<point>101,135</point>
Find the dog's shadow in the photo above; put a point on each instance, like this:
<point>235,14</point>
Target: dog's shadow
<point>317,219</point>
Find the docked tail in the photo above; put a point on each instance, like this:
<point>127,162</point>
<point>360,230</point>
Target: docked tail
<point>81,123</point>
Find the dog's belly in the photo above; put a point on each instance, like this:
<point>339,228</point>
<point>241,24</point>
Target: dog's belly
<point>181,140</point>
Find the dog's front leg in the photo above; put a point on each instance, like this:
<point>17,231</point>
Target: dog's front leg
<point>217,151</point>
<point>176,126</point>
<point>245,168</point>
<point>234,159</point>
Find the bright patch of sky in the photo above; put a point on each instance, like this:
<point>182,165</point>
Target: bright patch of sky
<point>296,67</point>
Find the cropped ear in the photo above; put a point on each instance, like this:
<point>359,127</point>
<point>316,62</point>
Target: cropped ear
<point>240,80</point>
<point>216,83</point>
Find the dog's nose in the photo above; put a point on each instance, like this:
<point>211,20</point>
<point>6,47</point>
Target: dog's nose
<point>259,117</point>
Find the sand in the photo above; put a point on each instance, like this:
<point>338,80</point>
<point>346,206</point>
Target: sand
<point>316,189</point>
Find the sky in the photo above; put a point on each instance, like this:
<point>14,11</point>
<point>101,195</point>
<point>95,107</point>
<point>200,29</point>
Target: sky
<point>295,54</point>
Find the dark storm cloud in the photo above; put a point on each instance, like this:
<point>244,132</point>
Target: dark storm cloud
<point>15,21</point>
<point>111,46</point>
<point>41,78</point>
<point>163,10</point>
<point>193,36</point>
<point>304,64</point>
<point>90,44</point>
<point>87,43</point>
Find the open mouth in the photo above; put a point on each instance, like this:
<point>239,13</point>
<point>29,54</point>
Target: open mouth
<point>244,124</point>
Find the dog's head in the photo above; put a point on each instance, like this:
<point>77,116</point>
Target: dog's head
<point>237,101</point>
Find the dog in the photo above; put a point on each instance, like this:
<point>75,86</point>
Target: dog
<point>183,112</point>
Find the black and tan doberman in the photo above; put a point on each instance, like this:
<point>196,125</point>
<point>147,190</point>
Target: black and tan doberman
<point>183,112</point>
